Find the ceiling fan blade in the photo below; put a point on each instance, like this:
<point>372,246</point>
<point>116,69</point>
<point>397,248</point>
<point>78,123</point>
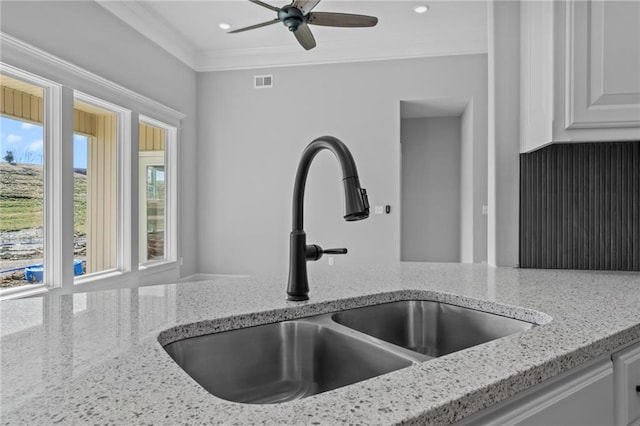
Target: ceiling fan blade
<point>263,4</point>
<point>305,5</point>
<point>253,27</point>
<point>305,37</point>
<point>330,19</point>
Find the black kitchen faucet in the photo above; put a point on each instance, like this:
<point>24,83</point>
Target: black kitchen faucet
<point>356,208</point>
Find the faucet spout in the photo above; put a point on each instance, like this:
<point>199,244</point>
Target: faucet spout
<point>356,208</point>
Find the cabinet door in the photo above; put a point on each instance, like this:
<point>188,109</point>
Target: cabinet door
<point>583,397</point>
<point>603,64</point>
<point>626,365</point>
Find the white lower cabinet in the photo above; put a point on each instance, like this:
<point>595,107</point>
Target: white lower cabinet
<point>604,392</point>
<point>582,396</point>
<point>626,366</point>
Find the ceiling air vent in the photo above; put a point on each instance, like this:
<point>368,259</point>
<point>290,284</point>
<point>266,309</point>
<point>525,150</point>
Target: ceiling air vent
<point>262,81</point>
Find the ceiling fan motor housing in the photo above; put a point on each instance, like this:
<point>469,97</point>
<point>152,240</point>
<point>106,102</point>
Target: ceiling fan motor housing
<point>297,15</point>
<point>291,17</point>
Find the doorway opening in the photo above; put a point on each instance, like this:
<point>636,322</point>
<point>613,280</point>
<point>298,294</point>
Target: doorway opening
<point>436,140</point>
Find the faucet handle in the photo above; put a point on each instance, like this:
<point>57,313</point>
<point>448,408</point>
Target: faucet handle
<point>315,252</point>
<point>335,251</point>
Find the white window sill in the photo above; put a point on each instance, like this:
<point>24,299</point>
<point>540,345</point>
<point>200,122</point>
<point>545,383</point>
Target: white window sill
<point>98,276</point>
<point>22,291</point>
<point>157,266</point>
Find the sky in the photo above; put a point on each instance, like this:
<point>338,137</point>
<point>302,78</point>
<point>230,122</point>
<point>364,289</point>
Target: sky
<point>25,140</point>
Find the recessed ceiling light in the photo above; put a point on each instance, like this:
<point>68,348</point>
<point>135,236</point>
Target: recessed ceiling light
<point>224,26</point>
<point>421,9</point>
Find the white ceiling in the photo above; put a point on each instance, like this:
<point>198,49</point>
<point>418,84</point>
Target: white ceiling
<point>189,30</point>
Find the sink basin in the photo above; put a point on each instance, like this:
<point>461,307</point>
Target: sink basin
<point>430,328</point>
<point>294,359</point>
<point>282,361</point>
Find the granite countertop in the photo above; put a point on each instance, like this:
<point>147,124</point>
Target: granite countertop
<point>96,357</point>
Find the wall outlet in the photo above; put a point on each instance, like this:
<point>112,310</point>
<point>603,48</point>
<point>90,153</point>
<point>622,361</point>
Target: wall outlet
<point>330,260</point>
<point>485,209</point>
<point>378,209</point>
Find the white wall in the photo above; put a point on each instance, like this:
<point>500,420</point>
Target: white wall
<point>250,140</point>
<point>466,184</point>
<point>88,36</point>
<point>431,163</point>
<point>504,132</point>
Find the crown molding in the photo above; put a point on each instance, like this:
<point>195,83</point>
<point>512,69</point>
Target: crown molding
<point>155,28</point>
<point>457,43</point>
<point>25,56</point>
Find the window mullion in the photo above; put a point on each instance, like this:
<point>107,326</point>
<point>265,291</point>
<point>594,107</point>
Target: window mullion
<point>129,189</point>
<point>59,188</point>
<point>172,201</point>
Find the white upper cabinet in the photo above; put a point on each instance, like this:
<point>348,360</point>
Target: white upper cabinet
<point>580,70</point>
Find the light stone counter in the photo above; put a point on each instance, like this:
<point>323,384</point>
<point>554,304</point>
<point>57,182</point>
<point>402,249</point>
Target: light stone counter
<point>96,357</point>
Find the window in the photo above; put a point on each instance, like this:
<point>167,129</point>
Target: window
<point>157,163</point>
<point>68,199</point>
<point>80,157</point>
<point>96,192</point>
<point>151,192</point>
<point>22,183</point>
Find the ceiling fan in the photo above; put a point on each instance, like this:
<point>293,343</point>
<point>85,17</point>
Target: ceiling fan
<point>297,15</point>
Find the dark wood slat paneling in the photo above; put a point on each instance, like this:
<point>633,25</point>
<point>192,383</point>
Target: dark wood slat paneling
<point>580,207</point>
<point>634,209</point>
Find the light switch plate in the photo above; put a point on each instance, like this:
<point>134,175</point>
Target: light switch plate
<point>378,209</point>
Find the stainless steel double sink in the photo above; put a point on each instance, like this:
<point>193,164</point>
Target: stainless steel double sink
<point>294,359</point>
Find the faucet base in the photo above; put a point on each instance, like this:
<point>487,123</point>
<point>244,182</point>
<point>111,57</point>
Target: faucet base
<point>297,298</point>
<point>298,286</point>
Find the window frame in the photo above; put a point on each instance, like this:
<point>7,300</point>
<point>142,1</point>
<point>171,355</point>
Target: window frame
<point>63,82</point>
<point>123,192</point>
<point>171,194</point>
<point>52,94</point>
